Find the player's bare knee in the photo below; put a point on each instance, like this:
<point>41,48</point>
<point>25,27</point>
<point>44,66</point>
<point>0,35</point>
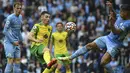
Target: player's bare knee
<point>45,49</point>
<point>89,46</point>
<point>17,60</point>
<point>10,60</point>
<point>92,46</point>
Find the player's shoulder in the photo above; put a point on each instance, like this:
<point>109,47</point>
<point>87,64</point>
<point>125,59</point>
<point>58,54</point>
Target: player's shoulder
<point>11,16</point>
<point>54,33</point>
<point>37,24</point>
<point>64,32</point>
<point>49,26</point>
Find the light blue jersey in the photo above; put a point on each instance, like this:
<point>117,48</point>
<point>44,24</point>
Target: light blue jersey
<point>12,32</point>
<point>123,25</point>
<point>12,29</point>
<point>113,42</point>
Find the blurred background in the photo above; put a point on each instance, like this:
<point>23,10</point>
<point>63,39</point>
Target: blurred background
<point>91,17</point>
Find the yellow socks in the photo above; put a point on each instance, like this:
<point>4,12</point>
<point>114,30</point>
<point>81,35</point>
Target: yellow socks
<point>49,70</point>
<point>57,71</point>
<point>47,56</point>
<point>68,71</point>
<point>46,71</point>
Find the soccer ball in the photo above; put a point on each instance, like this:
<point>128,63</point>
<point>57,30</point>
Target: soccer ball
<point>70,26</point>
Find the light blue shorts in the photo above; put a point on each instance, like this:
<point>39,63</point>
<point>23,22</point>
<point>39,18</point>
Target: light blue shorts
<point>11,51</point>
<point>105,43</point>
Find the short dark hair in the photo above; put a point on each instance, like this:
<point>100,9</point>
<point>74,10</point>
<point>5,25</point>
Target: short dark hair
<point>17,3</point>
<point>45,12</point>
<point>125,7</point>
<point>59,23</point>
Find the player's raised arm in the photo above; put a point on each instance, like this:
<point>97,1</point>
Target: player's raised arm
<point>112,18</point>
<point>111,9</point>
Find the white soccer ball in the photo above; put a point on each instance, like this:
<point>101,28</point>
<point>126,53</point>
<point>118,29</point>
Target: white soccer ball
<point>70,26</point>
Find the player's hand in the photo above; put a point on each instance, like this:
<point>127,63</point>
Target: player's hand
<point>64,58</point>
<point>39,41</point>
<point>16,43</point>
<point>109,4</point>
<point>111,16</point>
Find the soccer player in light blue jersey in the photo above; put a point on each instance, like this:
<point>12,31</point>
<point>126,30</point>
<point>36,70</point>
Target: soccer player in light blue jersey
<point>120,27</point>
<point>12,40</point>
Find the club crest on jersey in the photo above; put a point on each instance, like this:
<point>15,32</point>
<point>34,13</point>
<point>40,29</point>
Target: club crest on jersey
<point>7,23</point>
<point>45,36</point>
<point>34,27</point>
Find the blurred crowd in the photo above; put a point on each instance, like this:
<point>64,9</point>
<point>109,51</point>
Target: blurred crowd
<point>91,17</point>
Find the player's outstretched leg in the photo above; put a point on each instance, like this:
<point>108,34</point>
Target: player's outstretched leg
<point>46,55</point>
<point>83,50</point>
<point>52,62</point>
<point>50,66</point>
<point>47,58</point>
<point>49,62</point>
<point>9,65</point>
<point>76,54</point>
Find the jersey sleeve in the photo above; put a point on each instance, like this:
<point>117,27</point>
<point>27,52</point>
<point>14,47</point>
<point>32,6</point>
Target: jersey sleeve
<point>125,26</point>
<point>7,29</point>
<point>34,29</point>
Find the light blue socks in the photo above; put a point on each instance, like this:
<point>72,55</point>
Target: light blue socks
<point>79,52</point>
<point>8,68</point>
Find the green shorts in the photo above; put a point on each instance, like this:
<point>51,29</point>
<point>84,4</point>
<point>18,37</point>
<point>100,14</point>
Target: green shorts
<point>63,55</point>
<point>37,51</point>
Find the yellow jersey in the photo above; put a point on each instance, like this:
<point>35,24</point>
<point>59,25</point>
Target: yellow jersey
<point>41,32</point>
<point>59,41</point>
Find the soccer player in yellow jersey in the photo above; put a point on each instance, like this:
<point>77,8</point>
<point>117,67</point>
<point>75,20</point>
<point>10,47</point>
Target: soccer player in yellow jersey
<point>59,40</point>
<point>39,37</point>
